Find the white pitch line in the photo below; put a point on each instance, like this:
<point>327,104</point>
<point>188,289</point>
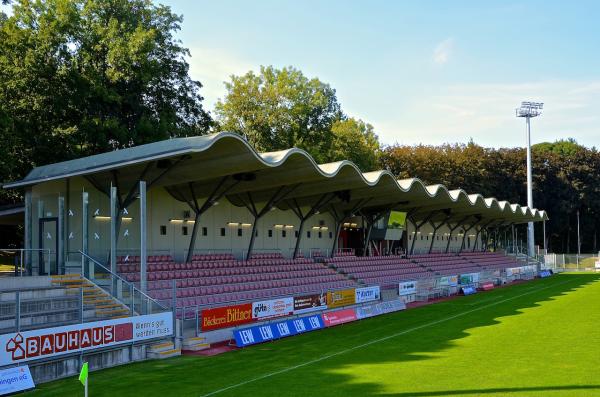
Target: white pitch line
<point>374,341</point>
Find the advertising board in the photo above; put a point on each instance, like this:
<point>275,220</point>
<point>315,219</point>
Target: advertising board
<point>310,303</point>
<point>338,317</point>
<point>367,294</point>
<point>343,297</point>
<point>227,316</point>
<point>15,379</point>
<point>377,309</point>
<point>407,288</point>
<point>272,308</point>
<point>282,329</point>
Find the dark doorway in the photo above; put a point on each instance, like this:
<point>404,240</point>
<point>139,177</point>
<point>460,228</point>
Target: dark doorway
<point>48,242</point>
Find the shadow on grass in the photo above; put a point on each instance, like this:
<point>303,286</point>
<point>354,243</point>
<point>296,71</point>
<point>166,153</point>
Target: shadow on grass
<point>412,335</point>
<point>302,365</point>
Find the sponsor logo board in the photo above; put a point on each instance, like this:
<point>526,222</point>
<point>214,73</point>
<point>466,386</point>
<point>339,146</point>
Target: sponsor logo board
<point>338,317</point>
<point>448,281</point>
<point>15,379</point>
<point>272,308</point>
<point>377,309</point>
<point>469,278</point>
<point>50,342</point>
<point>343,297</point>
<point>282,329</point>
<point>227,316</point>
<point>407,288</point>
<point>310,303</point>
<point>367,294</point>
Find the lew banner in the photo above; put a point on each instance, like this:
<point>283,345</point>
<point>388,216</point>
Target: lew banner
<point>227,316</point>
<point>266,332</point>
<point>310,303</point>
<point>367,294</point>
<point>339,317</point>
<point>407,288</point>
<point>50,342</point>
<point>15,379</point>
<point>272,308</point>
<point>341,298</point>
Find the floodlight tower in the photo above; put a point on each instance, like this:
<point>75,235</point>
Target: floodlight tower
<point>529,110</point>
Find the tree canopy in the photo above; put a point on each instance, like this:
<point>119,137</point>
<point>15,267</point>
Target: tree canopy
<point>79,77</point>
<point>565,176</point>
<point>281,108</point>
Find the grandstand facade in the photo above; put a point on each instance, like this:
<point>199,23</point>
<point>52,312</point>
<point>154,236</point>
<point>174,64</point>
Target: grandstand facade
<point>200,226</point>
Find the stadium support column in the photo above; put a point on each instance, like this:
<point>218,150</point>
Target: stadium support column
<point>418,226</point>
<point>462,245</point>
<point>297,209</point>
<point>114,222</point>
<point>436,228</point>
<point>27,237</point>
<point>371,219</point>
<point>60,255</point>
<point>249,203</point>
<point>212,199</point>
<point>85,201</point>
<point>143,238</point>
<point>546,244</point>
<point>340,217</point>
<point>479,230</point>
<point>453,228</point>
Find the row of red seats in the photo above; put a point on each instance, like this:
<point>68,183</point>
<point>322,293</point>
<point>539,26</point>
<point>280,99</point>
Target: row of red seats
<point>231,298</point>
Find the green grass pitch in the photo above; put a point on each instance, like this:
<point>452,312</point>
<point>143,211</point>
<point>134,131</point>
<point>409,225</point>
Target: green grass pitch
<point>540,338</point>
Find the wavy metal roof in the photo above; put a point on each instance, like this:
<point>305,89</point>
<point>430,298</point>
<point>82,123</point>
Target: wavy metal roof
<point>201,162</point>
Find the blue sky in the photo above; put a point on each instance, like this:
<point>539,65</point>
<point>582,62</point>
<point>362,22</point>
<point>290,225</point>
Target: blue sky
<point>420,71</point>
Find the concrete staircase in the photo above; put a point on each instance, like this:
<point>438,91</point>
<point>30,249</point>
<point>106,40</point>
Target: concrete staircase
<point>162,350</point>
<point>195,344</point>
<point>98,304</point>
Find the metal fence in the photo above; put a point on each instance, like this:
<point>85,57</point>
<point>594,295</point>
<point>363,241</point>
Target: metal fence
<point>572,262</point>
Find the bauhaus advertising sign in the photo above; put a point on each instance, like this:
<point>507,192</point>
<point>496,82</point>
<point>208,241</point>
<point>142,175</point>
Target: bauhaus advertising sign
<point>51,342</point>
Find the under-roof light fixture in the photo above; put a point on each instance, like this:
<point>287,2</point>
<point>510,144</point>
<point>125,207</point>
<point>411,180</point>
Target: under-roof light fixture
<point>529,110</point>
<point>238,224</point>
<point>107,218</point>
<point>280,226</point>
<point>176,220</point>
<point>320,228</point>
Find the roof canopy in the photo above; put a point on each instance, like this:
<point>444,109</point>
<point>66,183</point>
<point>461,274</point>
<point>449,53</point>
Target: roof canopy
<point>196,167</point>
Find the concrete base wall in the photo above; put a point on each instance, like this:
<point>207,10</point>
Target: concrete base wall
<point>70,366</point>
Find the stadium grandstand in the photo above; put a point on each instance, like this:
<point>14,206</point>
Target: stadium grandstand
<point>193,238</point>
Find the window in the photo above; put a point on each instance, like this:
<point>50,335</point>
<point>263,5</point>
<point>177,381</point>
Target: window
<point>421,237</point>
<point>222,232</point>
<point>184,230</point>
<point>410,237</point>
<point>239,232</point>
<point>256,233</point>
<point>296,233</point>
<point>283,233</point>
<point>308,234</point>
<point>320,234</point>
<point>330,234</point>
<point>205,231</point>
<point>270,233</point>
<point>163,230</point>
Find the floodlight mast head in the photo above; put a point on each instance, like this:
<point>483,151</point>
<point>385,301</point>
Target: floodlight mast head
<point>529,109</point>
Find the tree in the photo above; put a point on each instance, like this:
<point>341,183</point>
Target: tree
<point>278,109</point>
<point>79,77</point>
<point>356,141</point>
<point>565,177</point>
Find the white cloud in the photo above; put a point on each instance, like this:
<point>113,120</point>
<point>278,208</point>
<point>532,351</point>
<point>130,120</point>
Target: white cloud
<point>486,113</point>
<point>212,67</point>
<point>443,51</point>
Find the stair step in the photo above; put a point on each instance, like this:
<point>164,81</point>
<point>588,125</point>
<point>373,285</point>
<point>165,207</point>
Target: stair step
<point>108,305</point>
<point>161,347</point>
<point>165,354</point>
<point>113,311</point>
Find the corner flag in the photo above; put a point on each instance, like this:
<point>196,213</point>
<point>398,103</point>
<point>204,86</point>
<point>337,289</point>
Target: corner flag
<point>83,377</point>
